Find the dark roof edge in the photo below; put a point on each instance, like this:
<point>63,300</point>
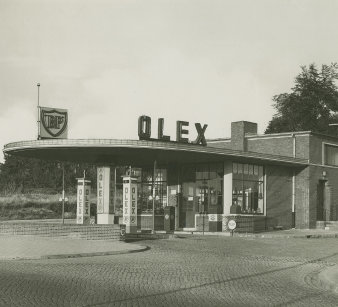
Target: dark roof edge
<point>155,145</point>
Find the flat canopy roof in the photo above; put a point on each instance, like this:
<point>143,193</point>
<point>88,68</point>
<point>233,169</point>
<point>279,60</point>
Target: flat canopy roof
<point>135,152</point>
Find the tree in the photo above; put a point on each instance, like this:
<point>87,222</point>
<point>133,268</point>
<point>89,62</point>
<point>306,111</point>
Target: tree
<point>21,175</point>
<point>312,104</point>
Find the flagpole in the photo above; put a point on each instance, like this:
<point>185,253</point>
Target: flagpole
<point>38,85</point>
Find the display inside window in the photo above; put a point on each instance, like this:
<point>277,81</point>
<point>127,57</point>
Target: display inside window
<point>150,192</point>
<point>146,192</point>
<point>247,189</point>
<point>204,191</point>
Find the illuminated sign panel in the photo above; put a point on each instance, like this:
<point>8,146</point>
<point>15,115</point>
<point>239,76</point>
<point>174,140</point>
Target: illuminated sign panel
<point>83,202</point>
<point>182,132</point>
<point>103,189</point>
<point>53,123</point>
<point>130,204</point>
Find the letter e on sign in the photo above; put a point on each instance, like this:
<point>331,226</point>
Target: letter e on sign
<point>180,131</point>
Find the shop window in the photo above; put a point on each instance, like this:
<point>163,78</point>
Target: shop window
<point>209,187</point>
<point>150,192</point>
<point>144,186</point>
<point>247,189</point>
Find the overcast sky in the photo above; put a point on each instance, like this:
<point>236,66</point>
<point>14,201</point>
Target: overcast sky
<point>108,62</point>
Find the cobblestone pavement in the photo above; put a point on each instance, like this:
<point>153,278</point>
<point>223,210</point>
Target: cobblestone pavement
<point>190,271</point>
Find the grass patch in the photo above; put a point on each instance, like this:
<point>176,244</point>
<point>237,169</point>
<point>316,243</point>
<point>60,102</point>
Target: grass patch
<point>35,206</point>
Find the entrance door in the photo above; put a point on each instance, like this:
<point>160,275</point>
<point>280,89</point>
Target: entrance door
<point>188,205</point>
<point>320,200</point>
<point>203,198</point>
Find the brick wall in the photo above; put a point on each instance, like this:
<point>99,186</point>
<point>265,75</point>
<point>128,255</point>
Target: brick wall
<point>331,191</point>
<point>281,145</point>
<point>316,149</point>
<point>302,198</point>
<point>278,196</point>
<point>277,146</point>
<point>245,223</point>
<point>145,222</point>
<point>238,131</point>
<point>88,232</point>
<point>307,181</point>
<point>303,146</point>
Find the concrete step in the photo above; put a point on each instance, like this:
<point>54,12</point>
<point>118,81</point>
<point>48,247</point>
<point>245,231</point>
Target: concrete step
<point>329,225</point>
<point>332,223</point>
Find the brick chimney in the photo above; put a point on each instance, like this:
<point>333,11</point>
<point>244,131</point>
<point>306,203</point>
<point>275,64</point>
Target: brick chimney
<point>238,131</point>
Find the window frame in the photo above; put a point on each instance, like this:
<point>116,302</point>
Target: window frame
<point>324,153</point>
<point>261,182</point>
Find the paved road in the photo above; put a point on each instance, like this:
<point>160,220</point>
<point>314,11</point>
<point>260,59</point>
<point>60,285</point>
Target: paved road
<point>192,271</point>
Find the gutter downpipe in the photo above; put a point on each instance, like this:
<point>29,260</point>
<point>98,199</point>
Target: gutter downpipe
<point>293,183</point>
<point>154,184</point>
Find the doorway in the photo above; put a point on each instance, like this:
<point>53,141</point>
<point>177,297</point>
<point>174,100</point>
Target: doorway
<point>188,205</point>
<point>321,200</point>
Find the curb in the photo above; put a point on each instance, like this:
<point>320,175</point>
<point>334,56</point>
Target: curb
<point>287,235</point>
<point>263,235</point>
<point>80,255</point>
<point>142,249</point>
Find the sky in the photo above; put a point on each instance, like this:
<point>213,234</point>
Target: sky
<point>108,62</point>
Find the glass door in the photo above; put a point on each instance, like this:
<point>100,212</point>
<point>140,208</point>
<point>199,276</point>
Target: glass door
<point>188,206</point>
<point>203,196</point>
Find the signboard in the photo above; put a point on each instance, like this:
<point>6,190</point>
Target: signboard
<point>212,217</point>
<point>182,132</point>
<point>103,189</point>
<point>83,201</point>
<point>53,123</point>
<point>232,224</point>
<point>130,203</point>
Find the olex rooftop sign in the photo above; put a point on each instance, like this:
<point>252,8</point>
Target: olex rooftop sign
<point>182,132</point>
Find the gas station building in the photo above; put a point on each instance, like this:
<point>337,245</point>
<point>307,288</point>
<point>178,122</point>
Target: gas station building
<point>263,182</point>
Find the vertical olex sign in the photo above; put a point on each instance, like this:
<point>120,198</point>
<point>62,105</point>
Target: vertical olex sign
<point>53,123</point>
<point>83,201</point>
<point>130,204</point>
<point>103,189</point>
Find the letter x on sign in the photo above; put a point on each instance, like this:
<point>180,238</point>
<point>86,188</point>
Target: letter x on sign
<point>200,138</point>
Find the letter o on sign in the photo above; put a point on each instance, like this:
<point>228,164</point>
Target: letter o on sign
<point>231,224</point>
